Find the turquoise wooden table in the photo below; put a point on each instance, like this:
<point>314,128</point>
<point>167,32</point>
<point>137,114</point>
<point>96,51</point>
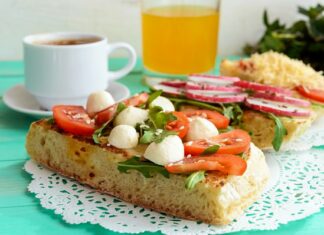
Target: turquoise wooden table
<point>20,211</point>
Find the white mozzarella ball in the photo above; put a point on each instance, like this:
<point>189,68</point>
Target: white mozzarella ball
<point>131,116</point>
<point>164,103</point>
<point>169,150</point>
<point>99,101</point>
<point>123,137</point>
<point>200,128</point>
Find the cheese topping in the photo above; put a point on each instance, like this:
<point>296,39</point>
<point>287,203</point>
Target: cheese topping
<point>164,103</point>
<point>201,128</point>
<point>170,150</point>
<point>99,101</point>
<point>123,137</point>
<point>131,116</point>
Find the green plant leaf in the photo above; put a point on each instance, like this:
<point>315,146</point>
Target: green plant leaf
<point>194,178</point>
<point>121,106</point>
<point>160,118</point>
<point>99,132</point>
<point>280,132</point>
<point>147,137</point>
<point>179,101</point>
<point>144,167</point>
<point>211,150</point>
<point>153,96</point>
<point>233,112</point>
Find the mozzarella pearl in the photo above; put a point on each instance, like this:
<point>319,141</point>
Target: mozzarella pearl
<point>169,150</point>
<point>131,116</point>
<point>164,103</point>
<point>200,128</point>
<point>123,137</point>
<point>99,101</point>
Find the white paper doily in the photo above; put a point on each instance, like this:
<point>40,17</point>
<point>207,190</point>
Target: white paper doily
<point>294,192</point>
<point>314,136</point>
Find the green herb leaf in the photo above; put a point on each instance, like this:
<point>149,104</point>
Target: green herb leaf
<point>121,106</point>
<point>99,132</point>
<point>147,137</point>
<point>160,118</point>
<point>194,178</point>
<point>211,150</point>
<point>178,102</point>
<point>304,39</point>
<point>146,168</point>
<point>233,112</point>
<point>159,138</point>
<point>153,96</point>
<point>280,132</point>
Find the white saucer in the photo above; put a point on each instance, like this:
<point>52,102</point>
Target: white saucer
<point>18,99</point>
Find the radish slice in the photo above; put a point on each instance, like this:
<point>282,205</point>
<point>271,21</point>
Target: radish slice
<point>260,87</point>
<point>210,79</point>
<point>276,108</point>
<point>222,98</point>
<point>168,89</point>
<point>209,87</point>
<point>174,83</point>
<point>282,98</point>
<point>220,91</point>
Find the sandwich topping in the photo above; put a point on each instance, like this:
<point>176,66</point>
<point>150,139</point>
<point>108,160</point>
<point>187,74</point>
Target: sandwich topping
<point>188,128</point>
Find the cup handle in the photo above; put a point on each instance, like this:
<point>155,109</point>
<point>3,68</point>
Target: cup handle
<point>113,75</point>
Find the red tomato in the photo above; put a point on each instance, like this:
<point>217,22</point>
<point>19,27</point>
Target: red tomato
<point>137,100</point>
<point>73,119</point>
<point>225,163</point>
<point>216,118</point>
<point>233,142</point>
<point>106,115</point>
<point>313,94</point>
<point>181,125</point>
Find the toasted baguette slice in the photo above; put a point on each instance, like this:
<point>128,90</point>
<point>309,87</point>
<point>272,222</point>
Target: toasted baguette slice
<point>218,200</point>
<point>275,69</point>
<point>262,128</point>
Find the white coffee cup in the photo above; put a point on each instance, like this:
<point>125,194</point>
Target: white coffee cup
<point>67,74</point>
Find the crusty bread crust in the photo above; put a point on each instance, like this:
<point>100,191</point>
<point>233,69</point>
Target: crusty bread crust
<point>218,200</point>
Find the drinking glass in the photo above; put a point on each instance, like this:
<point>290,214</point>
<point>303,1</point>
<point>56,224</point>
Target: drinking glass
<point>179,36</point>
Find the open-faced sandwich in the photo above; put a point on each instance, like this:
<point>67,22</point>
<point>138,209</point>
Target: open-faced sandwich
<point>175,156</point>
<point>276,102</point>
<point>275,69</point>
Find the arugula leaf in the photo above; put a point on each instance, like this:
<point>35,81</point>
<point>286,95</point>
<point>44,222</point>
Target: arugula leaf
<point>178,102</point>
<point>146,168</point>
<point>194,178</point>
<point>159,118</point>
<point>147,137</point>
<point>121,106</point>
<point>211,149</point>
<point>156,136</point>
<point>99,132</point>
<point>280,132</point>
<point>233,112</point>
<point>153,96</point>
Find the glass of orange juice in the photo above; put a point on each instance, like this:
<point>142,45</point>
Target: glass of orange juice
<point>179,36</point>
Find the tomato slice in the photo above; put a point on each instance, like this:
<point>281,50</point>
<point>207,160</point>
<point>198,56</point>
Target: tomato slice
<point>233,142</point>
<point>137,100</point>
<point>216,118</point>
<point>181,125</point>
<point>225,163</point>
<point>106,115</point>
<point>313,94</point>
<point>73,119</point>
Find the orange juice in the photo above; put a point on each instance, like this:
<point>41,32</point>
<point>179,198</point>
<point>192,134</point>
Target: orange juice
<point>180,39</point>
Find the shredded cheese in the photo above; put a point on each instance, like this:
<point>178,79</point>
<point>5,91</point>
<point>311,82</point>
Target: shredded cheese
<point>276,69</point>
